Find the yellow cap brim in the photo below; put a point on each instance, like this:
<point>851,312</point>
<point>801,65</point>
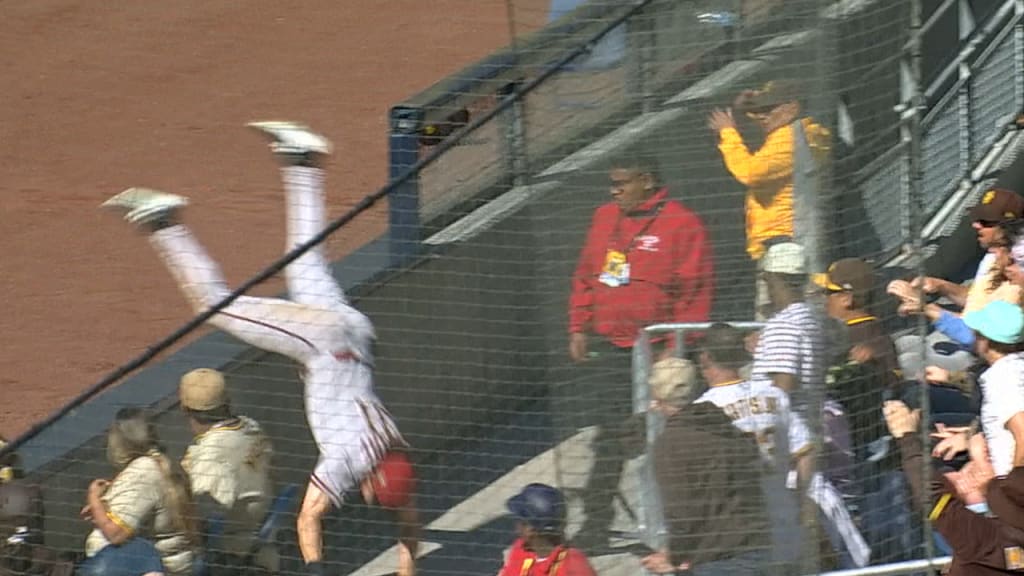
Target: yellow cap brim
<point>822,280</point>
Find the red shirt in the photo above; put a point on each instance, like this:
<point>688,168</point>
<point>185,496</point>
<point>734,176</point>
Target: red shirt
<point>563,561</point>
<point>670,270</point>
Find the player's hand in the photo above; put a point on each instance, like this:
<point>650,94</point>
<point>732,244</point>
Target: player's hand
<point>86,513</point>
<point>658,563</point>
<point>900,419</point>
<point>936,375</point>
<point>952,441</point>
<point>98,487</point>
<point>721,119</point>
<point>578,347</point>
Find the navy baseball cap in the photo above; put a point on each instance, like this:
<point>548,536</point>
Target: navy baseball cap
<point>539,505</point>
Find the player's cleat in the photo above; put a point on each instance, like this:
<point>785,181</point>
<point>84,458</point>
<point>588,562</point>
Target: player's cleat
<point>145,206</point>
<point>293,139</point>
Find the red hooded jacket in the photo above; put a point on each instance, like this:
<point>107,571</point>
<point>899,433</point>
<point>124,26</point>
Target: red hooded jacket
<point>670,270</point>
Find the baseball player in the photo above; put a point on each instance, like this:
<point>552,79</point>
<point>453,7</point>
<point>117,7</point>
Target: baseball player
<point>357,439</point>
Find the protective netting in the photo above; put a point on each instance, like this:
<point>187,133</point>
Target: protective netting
<point>749,145</point>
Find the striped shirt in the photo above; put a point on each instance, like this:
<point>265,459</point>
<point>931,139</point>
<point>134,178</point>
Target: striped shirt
<point>793,342</point>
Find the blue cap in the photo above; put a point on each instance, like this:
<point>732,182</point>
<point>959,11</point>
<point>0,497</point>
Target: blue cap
<point>999,321</point>
<point>541,506</point>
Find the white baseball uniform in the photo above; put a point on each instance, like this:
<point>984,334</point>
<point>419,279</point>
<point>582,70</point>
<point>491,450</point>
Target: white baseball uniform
<point>317,328</point>
<point>760,408</point>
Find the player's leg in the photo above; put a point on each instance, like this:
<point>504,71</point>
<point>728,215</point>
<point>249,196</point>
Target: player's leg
<point>301,153</point>
<point>276,325</point>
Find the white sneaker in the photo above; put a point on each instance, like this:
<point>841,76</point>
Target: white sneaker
<point>143,205</point>
<point>292,138</point>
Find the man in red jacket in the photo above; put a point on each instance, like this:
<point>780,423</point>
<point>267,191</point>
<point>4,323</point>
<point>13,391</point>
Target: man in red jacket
<point>646,260</point>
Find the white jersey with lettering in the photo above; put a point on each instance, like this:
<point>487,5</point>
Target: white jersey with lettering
<point>762,409</point>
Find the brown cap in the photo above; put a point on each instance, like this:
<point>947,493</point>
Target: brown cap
<point>847,275</point>
<point>203,389</point>
<point>998,205</point>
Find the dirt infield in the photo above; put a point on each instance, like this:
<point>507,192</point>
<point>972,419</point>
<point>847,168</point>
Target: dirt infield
<point>105,95</point>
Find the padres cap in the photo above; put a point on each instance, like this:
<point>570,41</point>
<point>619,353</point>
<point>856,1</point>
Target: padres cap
<point>203,389</point>
<point>998,205</point>
<point>672,380</point>
<point>785,258</point>
<point>847,275</point>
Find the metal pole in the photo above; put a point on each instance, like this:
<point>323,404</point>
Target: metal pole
<point>894,569</point>
<point>910,131</point>
<point>404,203</point>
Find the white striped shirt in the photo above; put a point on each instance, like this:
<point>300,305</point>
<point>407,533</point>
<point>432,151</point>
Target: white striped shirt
<point>792,342</point>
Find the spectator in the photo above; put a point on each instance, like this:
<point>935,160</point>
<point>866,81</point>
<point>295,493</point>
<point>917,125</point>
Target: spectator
<point>540,547</point>
<point>791,349</point>
<point>709,475</point>
<point>865,376</point>
<point>982,544</point>
<point>768,172</point>
<point>997,206</point>
<point>228,465</point>
<point>868,368</point>
<point>144,517</point>
<point>999,330</point>
<point>646,260</point>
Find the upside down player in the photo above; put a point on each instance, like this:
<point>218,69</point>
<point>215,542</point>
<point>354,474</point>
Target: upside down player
<point>358,441</point>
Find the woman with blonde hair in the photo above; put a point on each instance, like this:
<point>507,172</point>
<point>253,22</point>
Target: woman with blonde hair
<point>144,519</point>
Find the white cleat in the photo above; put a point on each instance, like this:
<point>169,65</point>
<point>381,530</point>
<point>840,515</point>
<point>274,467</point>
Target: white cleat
<point>292,138</point>
<point>143,205</point>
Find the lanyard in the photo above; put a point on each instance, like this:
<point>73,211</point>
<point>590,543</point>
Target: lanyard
<point>643,229</point>
<point>552,568</point>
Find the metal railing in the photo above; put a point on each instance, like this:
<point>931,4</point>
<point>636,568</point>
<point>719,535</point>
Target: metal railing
<point>969,103</point>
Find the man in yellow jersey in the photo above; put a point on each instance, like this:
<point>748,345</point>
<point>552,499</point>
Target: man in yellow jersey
<point>768,172</point>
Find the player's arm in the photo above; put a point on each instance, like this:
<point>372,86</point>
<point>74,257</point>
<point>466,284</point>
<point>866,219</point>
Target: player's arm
<point>408,518</point>
<point>693,272</point>
<point>784,381</point>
